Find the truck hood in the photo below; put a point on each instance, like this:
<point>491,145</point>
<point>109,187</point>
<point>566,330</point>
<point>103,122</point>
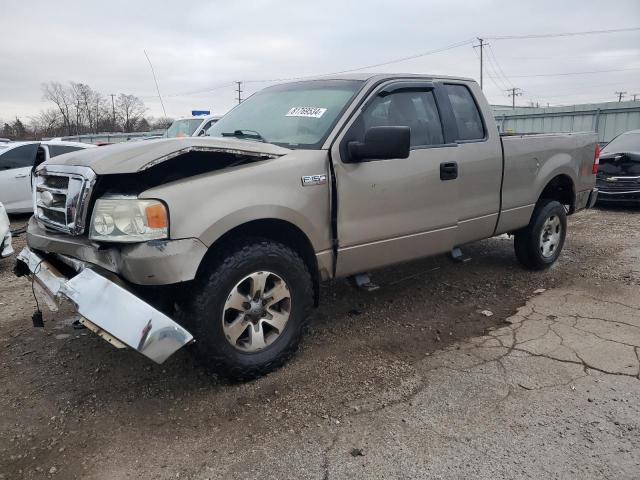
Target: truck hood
<point>133,157</point>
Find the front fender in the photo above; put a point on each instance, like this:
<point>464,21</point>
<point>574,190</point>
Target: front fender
<point>209,205</point>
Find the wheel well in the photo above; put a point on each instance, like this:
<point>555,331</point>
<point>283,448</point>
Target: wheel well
<point>279,231</point>
<point>561,188</point>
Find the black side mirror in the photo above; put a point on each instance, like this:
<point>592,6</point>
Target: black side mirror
<point>381,143</point>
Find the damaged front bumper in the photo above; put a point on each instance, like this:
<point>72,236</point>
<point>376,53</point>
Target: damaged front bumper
<point>108,308</point>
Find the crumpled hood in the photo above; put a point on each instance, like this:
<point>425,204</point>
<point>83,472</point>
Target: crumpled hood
<point>130,157</point>
<point>621,164</point>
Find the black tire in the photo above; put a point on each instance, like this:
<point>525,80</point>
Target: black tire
<point>527,242</point>
<point>204,313</point>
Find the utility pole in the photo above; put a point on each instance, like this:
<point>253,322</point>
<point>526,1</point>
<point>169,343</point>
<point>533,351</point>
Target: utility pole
<point>239,92</point>
<point>481,44</point>
<point>620,95</point>
<point>513,93</point>
<point>634,95</point>
<point>113,113</point>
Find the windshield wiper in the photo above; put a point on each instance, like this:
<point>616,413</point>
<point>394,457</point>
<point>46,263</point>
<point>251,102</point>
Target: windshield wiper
<point>244,134</point>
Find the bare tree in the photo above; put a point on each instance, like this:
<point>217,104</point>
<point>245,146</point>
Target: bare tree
<point>61,97</point>
<point>160,123</point>
<point>48,123</point>
<point>129,110</point>
<point>90,105</point>
<point>7,132</point>
<point>80,109</point>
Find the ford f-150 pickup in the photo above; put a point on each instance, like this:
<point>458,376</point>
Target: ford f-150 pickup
<point>222,241</point>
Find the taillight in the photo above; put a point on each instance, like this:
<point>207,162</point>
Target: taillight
<point>596,159</point>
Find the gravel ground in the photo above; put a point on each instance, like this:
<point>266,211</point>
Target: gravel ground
<point>74,407</point>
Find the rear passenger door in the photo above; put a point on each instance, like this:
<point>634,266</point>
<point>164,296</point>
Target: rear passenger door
<point>479,155</point>
<point>394,210</point>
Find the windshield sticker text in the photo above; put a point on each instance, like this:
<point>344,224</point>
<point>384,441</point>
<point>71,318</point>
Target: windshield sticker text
<point>310,112</point>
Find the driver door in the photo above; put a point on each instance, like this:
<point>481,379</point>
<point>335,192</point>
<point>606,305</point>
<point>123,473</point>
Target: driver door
<point>389,211</point>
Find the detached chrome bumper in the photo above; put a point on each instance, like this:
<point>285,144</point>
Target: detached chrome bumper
<point>109,309</point>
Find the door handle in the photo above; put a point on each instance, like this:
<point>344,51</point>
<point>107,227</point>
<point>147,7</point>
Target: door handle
<point>22,175</point>
<point>448,171</point>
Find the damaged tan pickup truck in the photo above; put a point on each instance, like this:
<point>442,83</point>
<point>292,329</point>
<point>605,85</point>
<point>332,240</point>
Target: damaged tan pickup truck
<point>223,240</point>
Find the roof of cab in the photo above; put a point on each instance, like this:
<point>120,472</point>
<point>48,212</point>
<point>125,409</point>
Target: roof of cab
<point>367,76</point>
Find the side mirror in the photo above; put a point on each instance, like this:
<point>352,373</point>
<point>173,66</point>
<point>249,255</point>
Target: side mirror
<point>381,143</point>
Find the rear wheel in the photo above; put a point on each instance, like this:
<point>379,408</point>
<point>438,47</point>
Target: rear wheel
<point>250,310</point>
<point>539,244</point>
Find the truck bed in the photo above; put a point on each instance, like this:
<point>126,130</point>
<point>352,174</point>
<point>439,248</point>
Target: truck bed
<point>532,160</point>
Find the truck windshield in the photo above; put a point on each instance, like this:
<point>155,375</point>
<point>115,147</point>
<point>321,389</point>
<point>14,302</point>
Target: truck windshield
<point>184,127</point>
<point>293,115</point>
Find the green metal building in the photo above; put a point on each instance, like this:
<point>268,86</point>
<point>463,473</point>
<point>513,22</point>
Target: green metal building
<point>608,119</point>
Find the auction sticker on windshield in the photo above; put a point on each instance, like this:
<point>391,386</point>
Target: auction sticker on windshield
<point>311,112</point>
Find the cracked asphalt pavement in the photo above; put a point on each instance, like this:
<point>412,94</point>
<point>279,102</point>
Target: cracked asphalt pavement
<point>411,381</point>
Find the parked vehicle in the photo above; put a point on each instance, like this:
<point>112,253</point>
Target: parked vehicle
<point>301,183</point>
<point>619,173</point>
<point>6,249</point>
<point>17,159</point>
<point>193,126</point>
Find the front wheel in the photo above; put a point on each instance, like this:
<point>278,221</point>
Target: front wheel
<point>250,309</point>
<point>539,244</point>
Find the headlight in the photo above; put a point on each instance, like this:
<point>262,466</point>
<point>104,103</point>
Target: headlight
<point>128,220</point>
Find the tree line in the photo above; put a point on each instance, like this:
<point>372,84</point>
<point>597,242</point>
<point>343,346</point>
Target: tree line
<point>78,109</point>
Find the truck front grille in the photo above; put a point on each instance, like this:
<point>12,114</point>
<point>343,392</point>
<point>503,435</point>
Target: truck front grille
<point>618,184</point>
<point>60,196</point>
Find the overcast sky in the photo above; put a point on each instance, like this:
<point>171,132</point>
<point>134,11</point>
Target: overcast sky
<point>207,45</point>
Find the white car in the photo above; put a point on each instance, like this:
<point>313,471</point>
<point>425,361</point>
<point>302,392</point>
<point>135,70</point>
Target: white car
<point>5,234</point>
<point>16,161</point>
<point>194,126</point>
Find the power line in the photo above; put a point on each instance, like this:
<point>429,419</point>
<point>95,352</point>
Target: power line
<point>194,92</point>
<point>494,78</point>
<point>495,60</point>
<point>575,93</point>
<point>499,73</point>
<point>274,80</point>
<point>573,73</point>
<point>562,34</point>
<point>389,62</point>
<point>590,55</point>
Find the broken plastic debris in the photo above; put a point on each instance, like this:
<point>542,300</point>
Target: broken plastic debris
<point>486,313</point>
<point>357,452</point>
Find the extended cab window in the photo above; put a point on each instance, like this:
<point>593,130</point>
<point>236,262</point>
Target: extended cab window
<point>466,112</point>
<point>19,157</point>
<point>415,109</point>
